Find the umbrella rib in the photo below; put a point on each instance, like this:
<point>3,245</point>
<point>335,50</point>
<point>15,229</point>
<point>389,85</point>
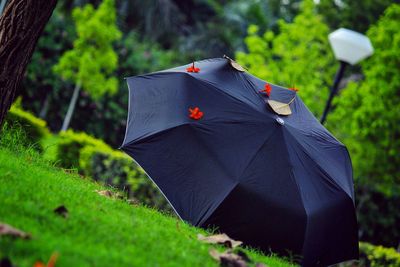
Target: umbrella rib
<point>329,178</point>
<point>159,189</point>
<point>255,92</point>
<point>211,210</point>
<point>207,83</point>
<point>293,177</point>
<point>145,137</point>
<point>258,150</point>
<point>207,148</point>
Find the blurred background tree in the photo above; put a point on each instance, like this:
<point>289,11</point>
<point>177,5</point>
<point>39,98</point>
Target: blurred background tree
<point>356,15</point>
<point>298,56</point>
<point>92,60</point>
<point>367,114</point>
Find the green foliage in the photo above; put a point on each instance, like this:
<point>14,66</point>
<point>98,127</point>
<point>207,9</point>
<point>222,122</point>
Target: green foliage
<point>13,137</point>
<point>43,92</point>
<point>144,56</point>
<point>377,256</point>
<point>298,56</point>
<point>117,169</point>
<point>355,15</point>
<point>106,118</point>
<point>92,58</point>
<point>69,147</point>
<point>378,216</point>
<point>367,114</point>
<point>29,128</point>
<point>94,158</point>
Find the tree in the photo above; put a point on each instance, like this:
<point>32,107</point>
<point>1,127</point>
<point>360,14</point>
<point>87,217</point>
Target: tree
<point>42,92</point>
<point>297,56</point>
<point>20,27</point>
<point>367,114</point>
<point>355,15</point>
<point>92,60</point>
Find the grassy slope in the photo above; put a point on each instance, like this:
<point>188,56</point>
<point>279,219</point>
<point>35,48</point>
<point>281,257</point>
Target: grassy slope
<point>98,232</point>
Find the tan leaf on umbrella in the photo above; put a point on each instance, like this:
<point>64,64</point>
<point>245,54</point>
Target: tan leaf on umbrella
<point>6,229</point>
<point>234,64</point>
<point>219,239</point>
<point>279,107</point>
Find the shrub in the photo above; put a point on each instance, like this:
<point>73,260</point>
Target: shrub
<point>293,59</point>
<point>376,256</point>
<point>378,216</point>
<point>115,168</point>
<point>366,117</point>
<point>33,129</point>
<point>70,145</point>
<point>13,137</point>
<point>97,160</point>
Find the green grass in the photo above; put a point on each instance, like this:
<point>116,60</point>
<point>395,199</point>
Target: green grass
<point>99,231</point>
<point>49,144</point>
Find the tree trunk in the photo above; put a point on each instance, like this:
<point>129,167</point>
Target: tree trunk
<point>20,27</point>
<point>45,107</point>
<point>71,108</point>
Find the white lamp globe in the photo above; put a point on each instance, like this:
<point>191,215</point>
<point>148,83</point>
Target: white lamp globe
<point>350,46</point>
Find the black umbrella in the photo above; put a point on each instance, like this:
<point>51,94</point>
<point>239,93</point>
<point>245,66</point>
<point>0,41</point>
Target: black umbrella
<point>230,150</point>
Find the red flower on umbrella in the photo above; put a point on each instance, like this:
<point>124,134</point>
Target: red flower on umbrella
<point>267,89</point>
<point>193,69</point>
<point>195,113</point>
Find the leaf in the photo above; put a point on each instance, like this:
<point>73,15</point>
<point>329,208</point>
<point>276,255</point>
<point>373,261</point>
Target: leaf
<point>279,107</point>
<point>228,258</point>
<point>6,229</point>
<point>133,202</point>
<point>51,263</point>
<point>108,193</point>
<point>62,211</point>
<point>219,239</point>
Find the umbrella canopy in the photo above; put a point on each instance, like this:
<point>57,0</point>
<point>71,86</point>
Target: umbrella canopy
<point>224,157</point>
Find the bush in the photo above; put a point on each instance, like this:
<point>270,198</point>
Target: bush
<point>116,168</point>
<point>376,256</point>
<point>293,59</point>
<point>32,128</point>
<point>70,145</point>
<point>94,158</point>
<point>366,117</point>
<point>378,216</point>
<point>13,137</point>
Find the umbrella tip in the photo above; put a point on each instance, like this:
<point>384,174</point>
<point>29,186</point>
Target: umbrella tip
<point>280,121</point>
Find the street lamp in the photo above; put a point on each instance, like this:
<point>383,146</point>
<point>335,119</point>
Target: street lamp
<point>2,5</point>
<point>349,47</point>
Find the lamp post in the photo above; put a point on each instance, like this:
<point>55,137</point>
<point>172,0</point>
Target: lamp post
<point>2,5</point>
<point>349,47</point>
